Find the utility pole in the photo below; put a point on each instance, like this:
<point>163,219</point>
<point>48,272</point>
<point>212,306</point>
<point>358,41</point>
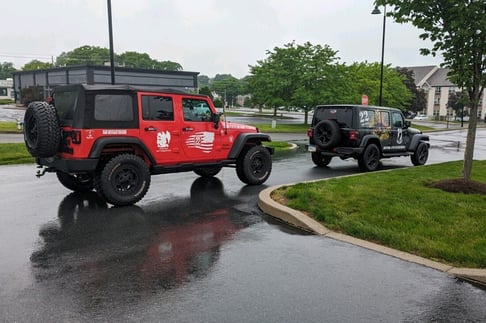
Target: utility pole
<point>110,31</point>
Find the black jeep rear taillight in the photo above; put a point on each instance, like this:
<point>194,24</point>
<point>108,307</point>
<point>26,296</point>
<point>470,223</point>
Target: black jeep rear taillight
<point>353,135</point>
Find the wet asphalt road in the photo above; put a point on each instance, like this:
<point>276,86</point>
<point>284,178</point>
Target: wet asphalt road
<point>197,250</point>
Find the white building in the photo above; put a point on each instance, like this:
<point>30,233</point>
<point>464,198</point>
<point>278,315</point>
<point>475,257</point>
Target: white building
<point>6,89</point>
<point>437,87</point>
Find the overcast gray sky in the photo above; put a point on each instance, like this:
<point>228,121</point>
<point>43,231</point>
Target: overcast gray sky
<point>207,36</point>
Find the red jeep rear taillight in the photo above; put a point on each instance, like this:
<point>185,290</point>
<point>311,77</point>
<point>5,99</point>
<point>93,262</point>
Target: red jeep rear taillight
<point>353,135</point>
<point>76,137</point>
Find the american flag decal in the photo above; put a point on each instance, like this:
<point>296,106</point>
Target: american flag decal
<point>201,140</point>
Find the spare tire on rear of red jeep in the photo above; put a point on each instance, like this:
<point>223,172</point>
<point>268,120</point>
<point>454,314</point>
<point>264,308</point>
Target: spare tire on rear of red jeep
<point>42,134</point>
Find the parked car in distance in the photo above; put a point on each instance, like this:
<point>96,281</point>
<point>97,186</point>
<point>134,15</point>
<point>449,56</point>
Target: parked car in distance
<point>421,117</point>
<point>465,118</point>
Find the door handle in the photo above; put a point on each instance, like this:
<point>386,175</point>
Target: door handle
<point>150,128</point>
<point>187,129</point>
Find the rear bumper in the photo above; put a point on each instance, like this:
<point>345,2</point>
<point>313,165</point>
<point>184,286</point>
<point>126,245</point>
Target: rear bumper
<point>343,152</point>
<point>68,165</point>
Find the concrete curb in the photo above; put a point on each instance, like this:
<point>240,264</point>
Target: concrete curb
<point>304,222</point>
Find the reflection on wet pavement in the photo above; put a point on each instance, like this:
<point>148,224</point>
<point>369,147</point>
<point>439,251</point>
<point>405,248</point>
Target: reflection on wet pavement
<point>107,253</point>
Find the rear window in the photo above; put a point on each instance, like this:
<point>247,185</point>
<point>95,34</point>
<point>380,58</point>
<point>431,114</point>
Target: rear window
<point>109,107</point>
<point>343,115</point>
<point>65,103</point>
<point>110,110</point>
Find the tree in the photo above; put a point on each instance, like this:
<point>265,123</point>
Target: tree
<point>364,78</point>
<point>168,66</point>
<point>99,56</point>
<point>36,65</point>
<point>455,102</point>
<point>418,101</point>
<point>307,75</point>
<point>203,80</point>
<point>221,77</point>
<point>84,55</point>
<point>136,60</point>
<point>206,91</point>
<point>143,60</point>
<point>295,75</point>
<point>457,30</point>
<point>228,87</point>
<point>6,70</point>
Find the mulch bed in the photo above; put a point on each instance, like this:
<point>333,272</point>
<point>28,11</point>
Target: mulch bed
<point>459,185</point>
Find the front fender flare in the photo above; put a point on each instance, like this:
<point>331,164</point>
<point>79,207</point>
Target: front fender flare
<point>243,139</point>
<point>418,139</point>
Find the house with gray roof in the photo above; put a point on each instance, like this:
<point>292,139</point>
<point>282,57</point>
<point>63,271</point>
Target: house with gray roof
<point>433,80</point>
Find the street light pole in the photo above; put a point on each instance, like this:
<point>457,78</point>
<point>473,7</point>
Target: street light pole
<point>110,30</point>
<point>377,11</point>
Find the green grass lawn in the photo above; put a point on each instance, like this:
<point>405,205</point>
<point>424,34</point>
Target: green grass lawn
<point>14,154</point>
<point>9,127</point>
<point>397,209</point>
<point>278,145</point>
<point>282,128</point>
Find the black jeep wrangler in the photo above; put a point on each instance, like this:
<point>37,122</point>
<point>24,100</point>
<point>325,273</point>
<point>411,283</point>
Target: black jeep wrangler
<point>365,133</point>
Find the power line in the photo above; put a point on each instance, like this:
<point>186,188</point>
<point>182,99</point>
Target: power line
<point>23,55</point>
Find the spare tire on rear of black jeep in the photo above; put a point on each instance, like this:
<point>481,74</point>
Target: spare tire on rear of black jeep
<point>42,134</point>
<point>327,134</point>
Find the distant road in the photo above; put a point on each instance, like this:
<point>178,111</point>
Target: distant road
<point>11,138</point>
<point>11,113</point>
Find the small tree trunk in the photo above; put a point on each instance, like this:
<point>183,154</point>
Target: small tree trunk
<point>470,141</point>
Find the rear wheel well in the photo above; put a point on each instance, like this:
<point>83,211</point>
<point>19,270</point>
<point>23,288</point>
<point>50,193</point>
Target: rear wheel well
<point>111,150</point>
<point>375,141</point>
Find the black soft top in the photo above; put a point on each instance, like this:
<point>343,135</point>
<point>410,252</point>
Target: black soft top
<point>118,87</point>
<point>343,106</point>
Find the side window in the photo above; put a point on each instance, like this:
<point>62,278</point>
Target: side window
<point>196,110</point>
<point>109,107</point>
<point>397,120</point>
<point>155,107</point>
<point>367,118</point>
<point>382,119</point>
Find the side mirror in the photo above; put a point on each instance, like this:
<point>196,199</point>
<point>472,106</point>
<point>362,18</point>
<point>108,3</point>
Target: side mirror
<point>408,123</point>
<point>216,119</point>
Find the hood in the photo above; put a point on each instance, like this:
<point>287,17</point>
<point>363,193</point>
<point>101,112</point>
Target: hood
<point>233,125</point>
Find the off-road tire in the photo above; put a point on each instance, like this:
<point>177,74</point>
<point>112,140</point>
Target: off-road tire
<point>123,180</point>
<point>320,160</point>
<point>370,160</point>
<point>327,134</point>
<point>254,165</point>
<point>42,134</point>
<point>76,182</point>
<point>208,171</point>
<point>421,154</point>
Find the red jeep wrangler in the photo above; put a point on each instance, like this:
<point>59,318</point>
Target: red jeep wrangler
<point>114,137</point>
